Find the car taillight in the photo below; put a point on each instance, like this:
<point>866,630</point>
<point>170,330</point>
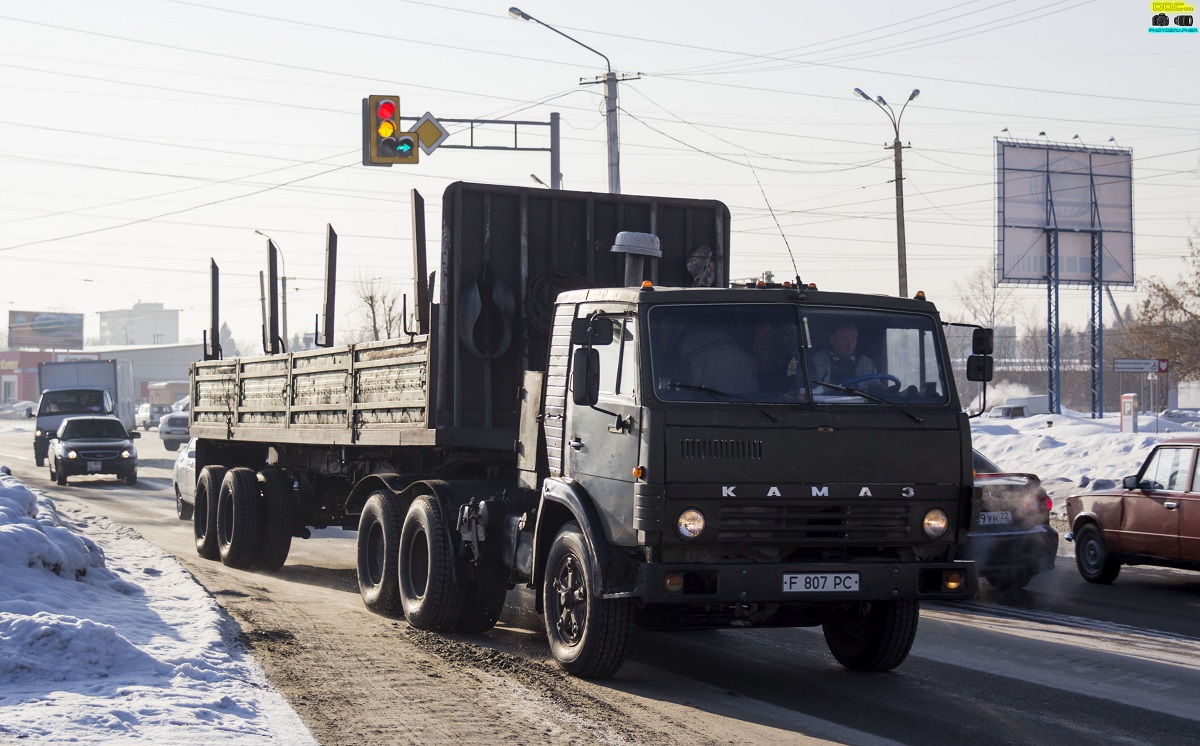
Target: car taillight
<point>1047,502</point>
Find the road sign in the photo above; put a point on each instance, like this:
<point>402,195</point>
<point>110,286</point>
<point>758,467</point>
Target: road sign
<point>1140,365</point>
<point>430,132</point>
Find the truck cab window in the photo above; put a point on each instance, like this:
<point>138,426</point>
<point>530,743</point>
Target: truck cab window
<point>618,367</point>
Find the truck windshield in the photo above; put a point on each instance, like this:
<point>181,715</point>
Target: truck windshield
<point>777,353</point>
<point>71,402</point>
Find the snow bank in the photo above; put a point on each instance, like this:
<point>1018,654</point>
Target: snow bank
<point>97,646</point>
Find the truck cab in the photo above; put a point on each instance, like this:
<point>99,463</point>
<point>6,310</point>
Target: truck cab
<point>55,405</point>
<point>735,482</point>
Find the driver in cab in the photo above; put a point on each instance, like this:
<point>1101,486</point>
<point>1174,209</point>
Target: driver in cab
<point>841,361</point>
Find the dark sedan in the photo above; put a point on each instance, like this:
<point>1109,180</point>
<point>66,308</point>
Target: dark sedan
<point>93,445</point>
<point>1011,538</point>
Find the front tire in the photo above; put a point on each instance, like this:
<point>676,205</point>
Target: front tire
<point>1092,559</point>
<point>60,477</point>
<point>204,522</point>
<point>872,636</point>
<point>588,635</point>
<point>171,445</point>
<point>131,478</point>
<point>182,509</point>
<point>239,518</point>
<point>428,593</point>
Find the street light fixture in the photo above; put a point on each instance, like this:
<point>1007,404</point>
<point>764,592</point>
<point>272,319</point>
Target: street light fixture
<point>282,281</point>
<point>610,102</point>
<point>897,148</point>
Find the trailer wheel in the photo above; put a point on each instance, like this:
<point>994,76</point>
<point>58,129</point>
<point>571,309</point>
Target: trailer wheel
<point>182,509</point>
<point>279,518</point>
<point>483,602</point>
<point>428,593</point>
<point>872,636</point>
<point>239,518</point>
<point>587,634</point>
<point>204,520</point>
<point>379,553</point>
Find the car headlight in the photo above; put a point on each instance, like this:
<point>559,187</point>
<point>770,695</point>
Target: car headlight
<point>72,454</point>
<point>38,433</point>
<point>690,523</point>
<point>936,522</point>
<point>128,453</point>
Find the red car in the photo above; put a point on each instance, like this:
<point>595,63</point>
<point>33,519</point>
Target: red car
<point>1153,519</point>
<point>1011,539</point>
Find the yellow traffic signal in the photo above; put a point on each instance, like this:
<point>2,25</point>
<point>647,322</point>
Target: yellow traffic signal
<point>383,142</point>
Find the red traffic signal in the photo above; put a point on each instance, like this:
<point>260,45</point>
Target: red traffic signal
<point>383,142</point>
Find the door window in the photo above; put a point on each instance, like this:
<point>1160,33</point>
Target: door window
<point>1168,470</point>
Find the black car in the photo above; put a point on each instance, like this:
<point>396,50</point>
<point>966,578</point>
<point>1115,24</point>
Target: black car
<point>1011,539</point>
<point>93,445</point>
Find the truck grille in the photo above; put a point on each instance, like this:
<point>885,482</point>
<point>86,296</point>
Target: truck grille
<point>720,449</point>
<point>804,522</point>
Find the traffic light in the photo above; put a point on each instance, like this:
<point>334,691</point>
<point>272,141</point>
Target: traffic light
<point>383,142</point>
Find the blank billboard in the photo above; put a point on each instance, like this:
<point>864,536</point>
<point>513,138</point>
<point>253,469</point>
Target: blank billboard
<point>1078,193</point>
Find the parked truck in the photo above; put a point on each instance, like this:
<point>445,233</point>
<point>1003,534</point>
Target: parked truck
<point>76,387</point>
<point>590,411</point>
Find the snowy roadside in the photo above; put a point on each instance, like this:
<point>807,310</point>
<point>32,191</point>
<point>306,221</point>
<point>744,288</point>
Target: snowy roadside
<point>105,638</point>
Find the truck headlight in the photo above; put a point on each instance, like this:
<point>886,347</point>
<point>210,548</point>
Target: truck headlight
<point>38,433</point>
<point>690,523</point>
<point>936,522</point>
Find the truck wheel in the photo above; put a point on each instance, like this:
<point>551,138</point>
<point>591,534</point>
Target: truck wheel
<point>239,518</point>
<point>428,593</point>
<point>587,634</point>
<point>204,522</point>
<point>379,553</point>
<point>872,636</point>
<point>182,509</point>
<point>279,517</point>
<point>1009,580</point>
<point>1095,564</point>
<point>483,602</point>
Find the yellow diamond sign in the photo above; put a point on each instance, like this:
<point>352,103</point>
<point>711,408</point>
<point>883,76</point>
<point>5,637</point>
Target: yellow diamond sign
<point>430,133</point>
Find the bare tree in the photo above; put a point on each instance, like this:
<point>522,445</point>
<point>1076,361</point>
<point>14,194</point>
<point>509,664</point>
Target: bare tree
<point>1168,323</point>
<point>987,303</point>
<point>379,311</point>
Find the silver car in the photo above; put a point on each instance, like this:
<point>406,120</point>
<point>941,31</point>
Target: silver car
<point>173,429</point>
<point>184,480</point>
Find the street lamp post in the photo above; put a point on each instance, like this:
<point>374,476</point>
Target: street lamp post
<point>610,103</point>
<point>282,281</point>
<point>901,250</point>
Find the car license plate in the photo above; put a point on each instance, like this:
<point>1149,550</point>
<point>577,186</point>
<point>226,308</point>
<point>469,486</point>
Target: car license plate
<point>820,582</point>
<point>93,466</point>
<point>995,517</point>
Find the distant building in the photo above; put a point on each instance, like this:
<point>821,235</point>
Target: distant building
<point>144,324</point>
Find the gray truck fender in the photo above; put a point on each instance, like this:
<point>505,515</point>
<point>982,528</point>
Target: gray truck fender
<point>564,500</point>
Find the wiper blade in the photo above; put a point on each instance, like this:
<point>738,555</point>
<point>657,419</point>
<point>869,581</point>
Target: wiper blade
<point>866,395</point>
<point>717,392</point>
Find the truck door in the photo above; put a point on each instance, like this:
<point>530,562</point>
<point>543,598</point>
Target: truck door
<point>602,441</point>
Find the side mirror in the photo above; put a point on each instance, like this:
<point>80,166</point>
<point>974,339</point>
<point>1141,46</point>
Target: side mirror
<point>134,434</point>
<point>981,342</point>
<point>1130,482</point>
<point>980,367</point>
<point>585,376</point>
<point>29,413</point>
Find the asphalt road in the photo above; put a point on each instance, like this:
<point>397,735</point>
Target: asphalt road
<point>1061,662</point>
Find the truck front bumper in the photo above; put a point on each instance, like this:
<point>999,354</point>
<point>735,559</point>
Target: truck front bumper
<point>802,583</point>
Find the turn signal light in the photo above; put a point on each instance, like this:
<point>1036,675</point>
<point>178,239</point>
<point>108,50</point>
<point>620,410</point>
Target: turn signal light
<point>952,580</point>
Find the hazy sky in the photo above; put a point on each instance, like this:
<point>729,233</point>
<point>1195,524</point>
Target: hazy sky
<point>141,137</point>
